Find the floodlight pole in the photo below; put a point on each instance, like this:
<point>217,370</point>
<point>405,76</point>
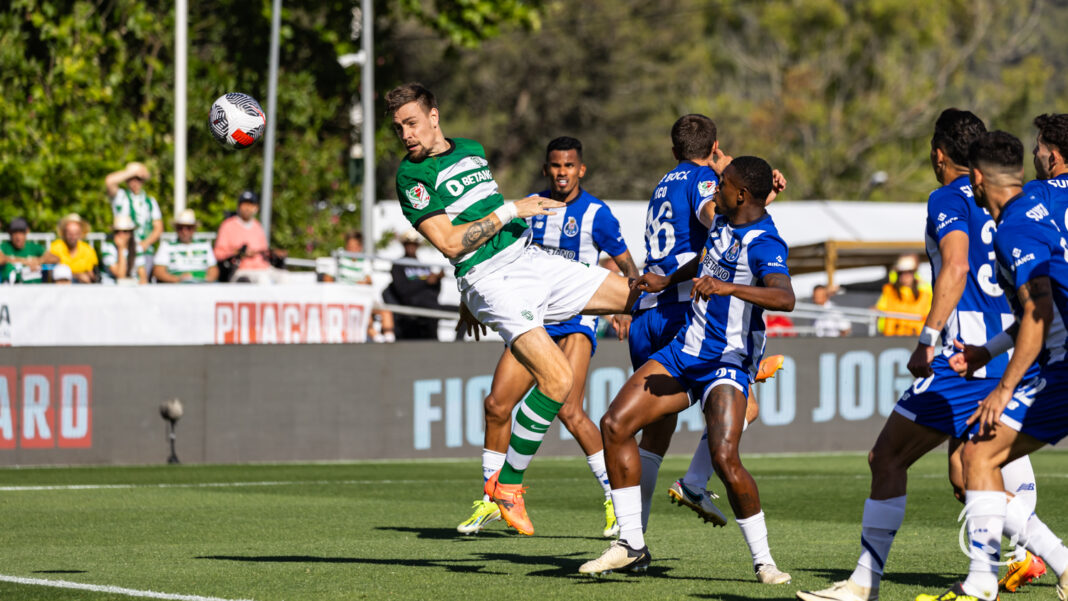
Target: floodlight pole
<point>272,104</point>
<point>181,44</point>
<point>367,95</point>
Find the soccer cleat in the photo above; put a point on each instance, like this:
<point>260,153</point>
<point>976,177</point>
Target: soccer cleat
<point>1062,587</point>
<point>768,573</point>
<point>611,528</point>
<point>768,367</point>
<point>509,499</point>
<point>485,512</point>
<point>699,501</point>
<point>846,590</point>
<point>955,593</point>
<point>619,557</point>
<point>1022,572</point>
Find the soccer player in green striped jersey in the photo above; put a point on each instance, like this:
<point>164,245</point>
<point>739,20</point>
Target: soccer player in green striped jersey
<point>448,193</point>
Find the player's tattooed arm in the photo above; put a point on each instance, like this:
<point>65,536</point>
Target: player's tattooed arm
<point>457,240</point>
<point>626,265</point>
<point>1036,304</point>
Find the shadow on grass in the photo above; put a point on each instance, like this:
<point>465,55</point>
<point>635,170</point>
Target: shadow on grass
<point>556,565</point>
<point>451,533</point>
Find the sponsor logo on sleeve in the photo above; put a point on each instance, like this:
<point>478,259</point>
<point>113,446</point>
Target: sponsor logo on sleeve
<point>1037,212</point>
<point>1020,260</point>
<point>418,196</point>
<point>706,188</point>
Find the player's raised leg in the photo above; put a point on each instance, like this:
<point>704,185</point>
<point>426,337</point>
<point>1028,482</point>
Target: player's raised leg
<point>510,382</point>
<point>552,374</point>
<point>647,396</point>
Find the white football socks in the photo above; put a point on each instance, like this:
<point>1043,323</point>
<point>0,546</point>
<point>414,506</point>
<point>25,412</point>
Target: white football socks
<point>628,506</point>
<point>1043,542</point>
<point>755,532</point>
<point>596,463</point>
<point>700,470</point>
<point>492,461</point>
<point>985,515</point>
<point>881,521</point>
<point>650,470</point>
<point>1019,481</point>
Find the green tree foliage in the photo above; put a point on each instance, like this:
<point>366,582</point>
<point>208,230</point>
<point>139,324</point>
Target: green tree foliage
<point>829,91</point>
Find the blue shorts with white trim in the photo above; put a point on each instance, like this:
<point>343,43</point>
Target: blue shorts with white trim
<point>653,328</point>
<point>1039,407</point>
<point>699,376</point>
<point>579,324</point>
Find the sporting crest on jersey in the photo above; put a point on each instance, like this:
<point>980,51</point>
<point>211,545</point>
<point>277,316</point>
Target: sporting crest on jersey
<point>706,188</point>
<point>418,196</point>
<point>733,251</point>
<point>571,227</point>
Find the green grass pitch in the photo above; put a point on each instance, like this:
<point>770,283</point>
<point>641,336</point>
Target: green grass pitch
<point>386,530</point>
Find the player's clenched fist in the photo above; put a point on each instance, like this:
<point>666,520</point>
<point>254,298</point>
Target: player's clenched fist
<point>708,286</point>
<point>650,282</point>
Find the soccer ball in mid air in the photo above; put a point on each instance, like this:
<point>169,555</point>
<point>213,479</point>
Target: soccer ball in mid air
<point>236,120</point>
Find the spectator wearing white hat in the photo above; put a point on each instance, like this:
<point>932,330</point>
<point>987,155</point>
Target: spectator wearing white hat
<point>127,196</point>
<point>119,258</point>
<point>72,249</point>
<point>61,274</point>
<point>185,260</point>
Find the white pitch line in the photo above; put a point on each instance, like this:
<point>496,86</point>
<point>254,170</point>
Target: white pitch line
<point>115,590</point>
<point>206,485</point>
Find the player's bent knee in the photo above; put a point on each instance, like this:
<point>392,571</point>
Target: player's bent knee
<point>613,429</point>
<point>496,411</point>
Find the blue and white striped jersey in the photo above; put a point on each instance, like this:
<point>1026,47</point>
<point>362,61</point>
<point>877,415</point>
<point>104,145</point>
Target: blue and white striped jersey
<point>673,233</point>
<point>982,311</point>
<point>579,231</point>
<point>1029,244</point>
<point>725,328</point>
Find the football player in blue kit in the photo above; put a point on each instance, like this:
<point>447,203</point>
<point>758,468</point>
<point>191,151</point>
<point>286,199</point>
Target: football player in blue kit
<point>968,308</point>
<point>712,360</point>
<point>1020,415</point>
<point>580,231</point>
<point>1049,151</point>
<point>677,221</point>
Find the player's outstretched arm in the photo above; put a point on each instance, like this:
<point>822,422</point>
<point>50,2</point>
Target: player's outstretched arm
<point>457,240</point>
<point>948,289</point>
<point>1036,302</point>
<point>777,293</point>
<point>629,269</point>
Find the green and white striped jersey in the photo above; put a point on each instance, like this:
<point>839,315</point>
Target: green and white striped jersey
<point>195,258</point>
<point>457,183</point>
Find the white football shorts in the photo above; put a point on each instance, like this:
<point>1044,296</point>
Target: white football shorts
<point>535,289</point>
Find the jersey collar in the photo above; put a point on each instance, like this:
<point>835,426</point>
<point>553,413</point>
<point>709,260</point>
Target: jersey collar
<point>1005,209</point>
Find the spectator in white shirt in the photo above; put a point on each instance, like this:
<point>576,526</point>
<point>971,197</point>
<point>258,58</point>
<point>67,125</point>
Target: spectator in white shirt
<point>832,323</point>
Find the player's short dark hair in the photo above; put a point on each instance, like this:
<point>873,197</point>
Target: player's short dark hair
<point>999,149</point>
<point>354,235</point>
<point>755,174</point>
<point>410,92</point>
<point>818,287</point>
<point>564,143</point>
<point>1053,130</point>
<point>693,136</point>
<point>954,131</point>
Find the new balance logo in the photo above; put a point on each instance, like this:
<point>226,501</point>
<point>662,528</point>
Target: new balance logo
<point>1037,212</point>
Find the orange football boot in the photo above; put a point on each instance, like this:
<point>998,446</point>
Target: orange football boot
<point>1022,572</point>
<point>509,499</point>
<point>768,367</point>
